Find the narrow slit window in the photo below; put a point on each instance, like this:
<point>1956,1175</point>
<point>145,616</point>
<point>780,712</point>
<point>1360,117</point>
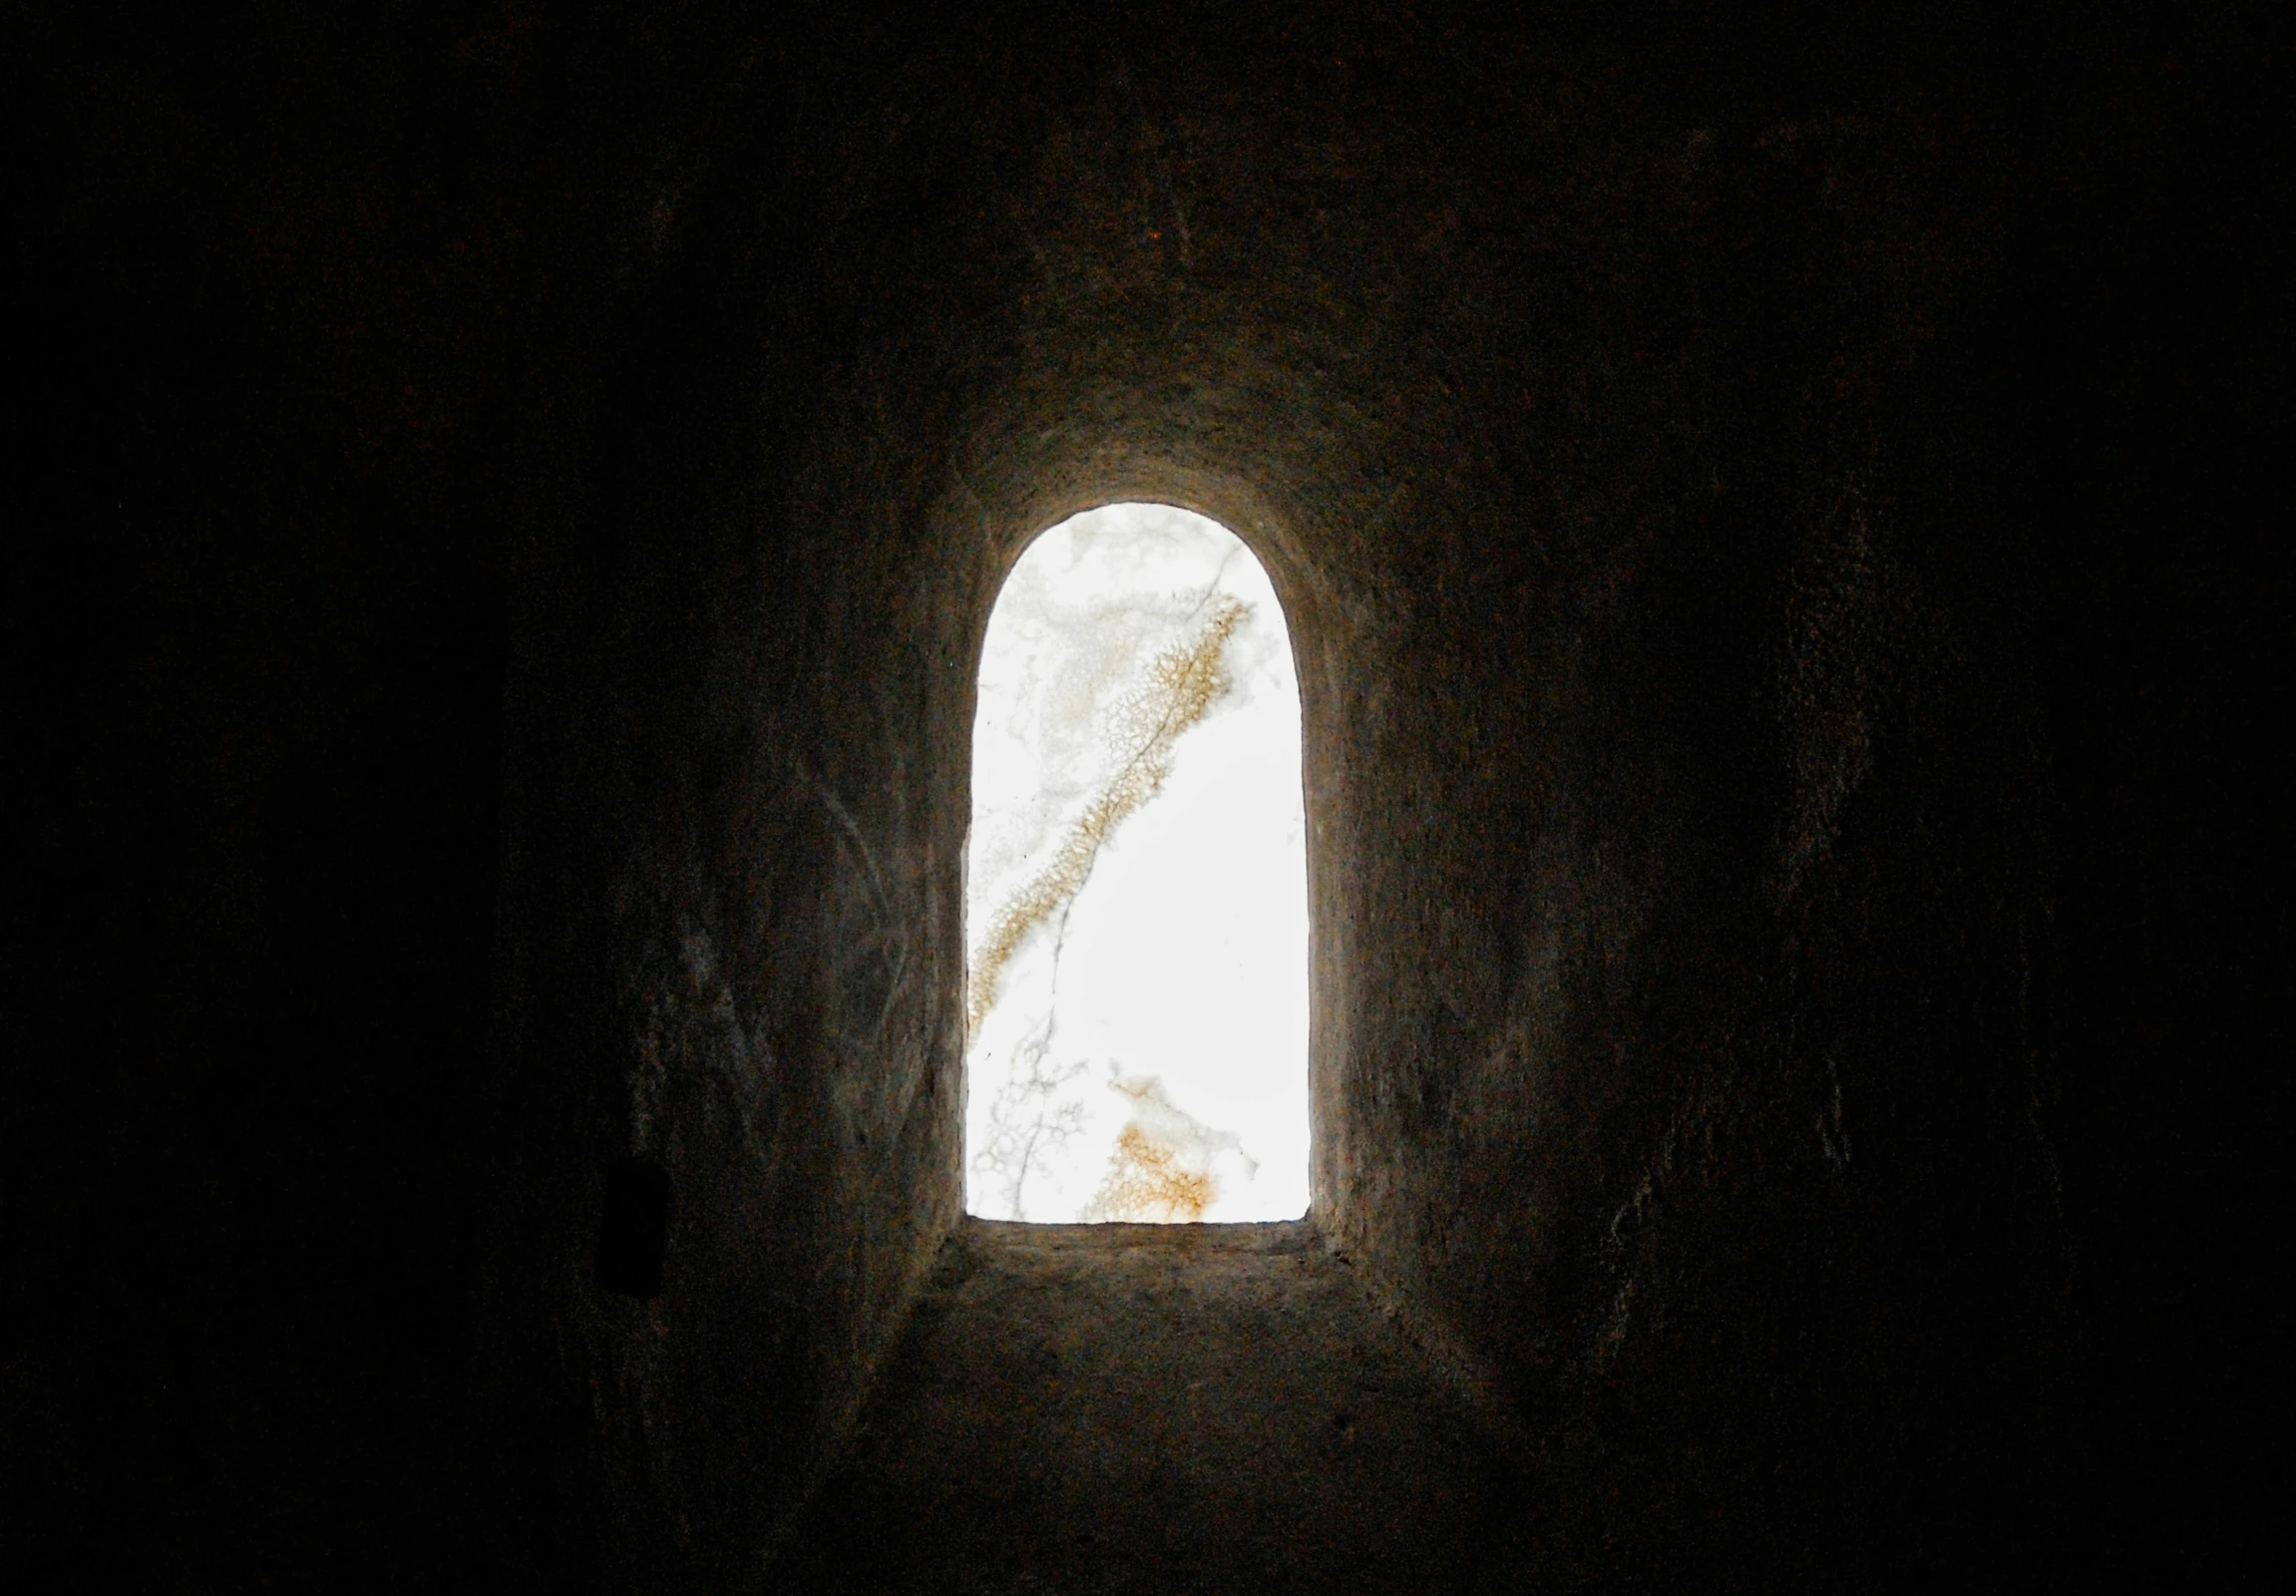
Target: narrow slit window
<point>1136,906</point>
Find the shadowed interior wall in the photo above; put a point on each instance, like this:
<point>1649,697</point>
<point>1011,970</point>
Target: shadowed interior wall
<point>1717,479</point>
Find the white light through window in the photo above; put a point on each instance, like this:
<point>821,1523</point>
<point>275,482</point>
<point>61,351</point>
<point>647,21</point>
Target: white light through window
<point>1137,916</point>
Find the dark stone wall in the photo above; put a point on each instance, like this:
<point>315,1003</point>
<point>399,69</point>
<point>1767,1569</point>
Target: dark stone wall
<point>1773,505</point>
<point>263,341</point>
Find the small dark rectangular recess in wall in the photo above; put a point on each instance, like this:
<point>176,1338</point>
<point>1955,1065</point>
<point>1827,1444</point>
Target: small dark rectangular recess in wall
<point>634,1227</point>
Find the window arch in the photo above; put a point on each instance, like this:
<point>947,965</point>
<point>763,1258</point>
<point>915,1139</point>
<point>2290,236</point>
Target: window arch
<point>1136,924</point>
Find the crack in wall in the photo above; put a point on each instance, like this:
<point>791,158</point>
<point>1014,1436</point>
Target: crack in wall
<point>1183,682</point>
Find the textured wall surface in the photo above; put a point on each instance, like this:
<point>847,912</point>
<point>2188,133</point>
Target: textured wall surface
<point>1772,507</point>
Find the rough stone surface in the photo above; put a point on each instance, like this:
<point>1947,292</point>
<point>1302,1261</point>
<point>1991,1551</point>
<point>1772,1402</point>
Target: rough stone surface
<point>1119,1408</point>
<point>1777,510</point>
<point>1675,848</point>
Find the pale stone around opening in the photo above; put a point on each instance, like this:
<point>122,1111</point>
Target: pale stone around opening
<point>1137,916</point>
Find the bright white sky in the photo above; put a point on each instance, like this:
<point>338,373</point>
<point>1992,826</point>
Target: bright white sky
<point>1170,994</point>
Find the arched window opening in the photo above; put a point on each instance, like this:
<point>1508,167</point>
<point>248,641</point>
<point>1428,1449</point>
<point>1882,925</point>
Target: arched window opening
<point>1136,919</point>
